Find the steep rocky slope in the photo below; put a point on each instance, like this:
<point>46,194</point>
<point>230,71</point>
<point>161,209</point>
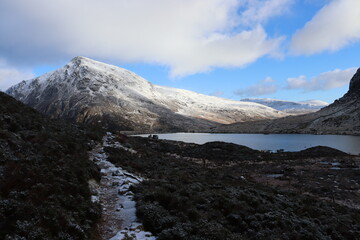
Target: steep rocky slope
<point>89,91</point>
<point>44,173</point>
<point>340,117</point>
<point>295,108</point>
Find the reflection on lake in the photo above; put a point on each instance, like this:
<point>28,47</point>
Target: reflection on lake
<point>273,142</point>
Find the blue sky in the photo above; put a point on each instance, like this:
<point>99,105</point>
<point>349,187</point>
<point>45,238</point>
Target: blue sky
<point>284,49</point>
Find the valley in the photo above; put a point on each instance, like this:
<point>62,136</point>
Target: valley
<point>148,188</point>
<point>180,190</point>
<point>180,120</point>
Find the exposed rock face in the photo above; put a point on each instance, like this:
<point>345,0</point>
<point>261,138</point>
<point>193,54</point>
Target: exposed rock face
<point>88,91</point>
<point>354,88</point>
<point>340,117</point>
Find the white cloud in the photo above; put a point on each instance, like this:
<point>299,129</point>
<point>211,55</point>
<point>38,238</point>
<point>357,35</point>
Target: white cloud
<point>328,80</point>
<point>189,36</point>
<point>10,76</point>
<point>264,87</point>
<point>336,25</point>
<point>259,11</point>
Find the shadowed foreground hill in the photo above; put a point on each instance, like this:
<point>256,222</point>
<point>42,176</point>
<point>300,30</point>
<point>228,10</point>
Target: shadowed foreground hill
<point>44,173</point>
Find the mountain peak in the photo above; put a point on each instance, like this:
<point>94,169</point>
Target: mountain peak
<point>79,58</point>
<point>355,82</point>
<point>86,90</point>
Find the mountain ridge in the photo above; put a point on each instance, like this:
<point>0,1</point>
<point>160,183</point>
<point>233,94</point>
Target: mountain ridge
<point>89,91</point>
<point>340,117</point>
<point>291,107</point>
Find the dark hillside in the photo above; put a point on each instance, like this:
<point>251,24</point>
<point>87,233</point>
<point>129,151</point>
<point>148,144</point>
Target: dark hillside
<point>44,173</point>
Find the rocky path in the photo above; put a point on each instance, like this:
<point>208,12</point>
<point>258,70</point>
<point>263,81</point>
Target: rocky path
<point>119,213</point>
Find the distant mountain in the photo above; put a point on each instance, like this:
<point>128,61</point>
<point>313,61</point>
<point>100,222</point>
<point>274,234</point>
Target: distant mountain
<point>291,107</point>
<point>88,91</point>
<point>340,117</point>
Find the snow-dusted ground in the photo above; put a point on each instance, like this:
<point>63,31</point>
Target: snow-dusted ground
<point>119,212</point>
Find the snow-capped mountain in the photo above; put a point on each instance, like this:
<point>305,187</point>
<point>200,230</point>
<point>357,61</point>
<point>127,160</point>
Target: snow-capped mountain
<point>340,117</point>
<point>89,91</point>
<point>291,107</point>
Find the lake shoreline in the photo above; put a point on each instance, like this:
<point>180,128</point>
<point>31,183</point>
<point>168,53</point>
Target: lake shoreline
<point>132,133</point>
<point>271,142</point>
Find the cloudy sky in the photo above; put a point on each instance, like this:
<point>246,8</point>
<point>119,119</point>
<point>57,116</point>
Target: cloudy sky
<point>284,49</point>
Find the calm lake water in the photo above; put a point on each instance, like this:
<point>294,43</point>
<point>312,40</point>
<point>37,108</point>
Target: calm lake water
<point>273,142</point>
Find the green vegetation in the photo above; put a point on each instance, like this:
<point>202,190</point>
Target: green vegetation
<point>44,169</point>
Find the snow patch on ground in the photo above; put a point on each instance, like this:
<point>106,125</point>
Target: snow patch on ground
<point>119,211</point>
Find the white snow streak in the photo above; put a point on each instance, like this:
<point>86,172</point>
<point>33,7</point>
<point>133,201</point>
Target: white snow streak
<point>115,197</point>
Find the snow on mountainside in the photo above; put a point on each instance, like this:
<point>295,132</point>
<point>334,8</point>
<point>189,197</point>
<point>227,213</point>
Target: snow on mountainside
<point>89,91</point>
<point>291,107</point>
<point>314,103</point>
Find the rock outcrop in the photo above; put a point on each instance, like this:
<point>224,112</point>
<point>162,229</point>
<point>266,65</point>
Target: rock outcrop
<point>354,89</point>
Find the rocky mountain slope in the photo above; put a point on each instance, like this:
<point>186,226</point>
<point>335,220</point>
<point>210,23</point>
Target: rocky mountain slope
<point>44,173</point>
<point>89,91</point>
<point>340,117</point>
<point>295,108</point>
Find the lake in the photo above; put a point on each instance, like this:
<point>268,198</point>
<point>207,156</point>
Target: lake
<point>272,142</point>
